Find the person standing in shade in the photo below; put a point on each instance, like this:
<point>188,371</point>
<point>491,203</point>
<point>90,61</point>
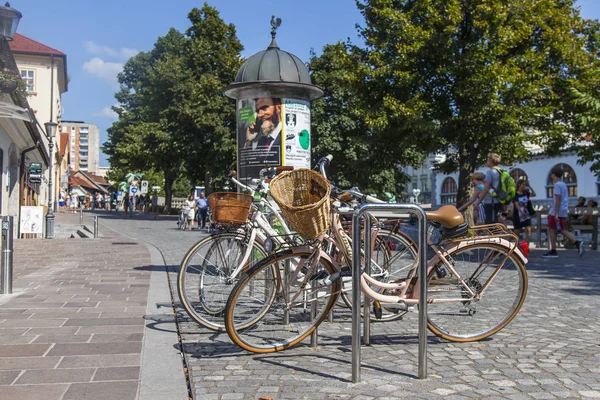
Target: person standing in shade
<point>557,216</point>
<point>126,203</point>
<point>154,205</point>
<point>491,205</point>
<point>202,206</point>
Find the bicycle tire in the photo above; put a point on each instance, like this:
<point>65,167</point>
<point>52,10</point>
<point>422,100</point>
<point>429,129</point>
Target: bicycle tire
<point>469,321</point>
<point>395,253</point>
<point>254,318</point>
<point>203,283</point>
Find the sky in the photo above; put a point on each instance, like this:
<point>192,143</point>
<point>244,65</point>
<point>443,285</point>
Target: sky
<point>99,36</point>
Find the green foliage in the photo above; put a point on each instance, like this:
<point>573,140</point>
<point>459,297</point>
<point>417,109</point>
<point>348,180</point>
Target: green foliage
<point>486,74</point>
<point>173,116</point>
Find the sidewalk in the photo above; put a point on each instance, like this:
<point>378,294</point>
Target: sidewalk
<point>77,323</point>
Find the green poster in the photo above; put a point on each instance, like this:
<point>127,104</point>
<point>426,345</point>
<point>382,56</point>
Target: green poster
<point>247,114</point>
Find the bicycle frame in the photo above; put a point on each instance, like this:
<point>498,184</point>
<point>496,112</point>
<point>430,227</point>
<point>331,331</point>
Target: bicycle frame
<point>496,234</point>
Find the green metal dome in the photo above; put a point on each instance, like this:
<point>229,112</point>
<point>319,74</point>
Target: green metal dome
<point>273,73</point>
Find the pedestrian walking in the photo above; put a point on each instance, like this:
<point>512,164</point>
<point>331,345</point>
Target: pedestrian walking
<point>557,216</point>
<point>491,205</point>
<point>126,203</point>
<point>202,206</point>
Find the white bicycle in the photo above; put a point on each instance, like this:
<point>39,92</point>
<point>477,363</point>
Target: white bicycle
<point>212,266</point>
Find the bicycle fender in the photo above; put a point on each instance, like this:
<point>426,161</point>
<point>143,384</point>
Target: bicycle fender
<point>464,243</point>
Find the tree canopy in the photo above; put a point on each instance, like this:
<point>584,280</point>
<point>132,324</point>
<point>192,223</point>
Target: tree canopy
<point>172,115</point>
<point>458,77</point>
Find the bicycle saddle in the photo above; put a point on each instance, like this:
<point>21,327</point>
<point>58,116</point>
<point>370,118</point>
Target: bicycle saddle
<point>447,216</point>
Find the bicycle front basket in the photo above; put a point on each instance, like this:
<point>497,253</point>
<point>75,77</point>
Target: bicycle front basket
<point>229,207</point>
<point>303,197</point>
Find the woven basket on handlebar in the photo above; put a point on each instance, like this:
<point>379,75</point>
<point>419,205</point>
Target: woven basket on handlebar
<point>303,197</point>
<point>229,207</point>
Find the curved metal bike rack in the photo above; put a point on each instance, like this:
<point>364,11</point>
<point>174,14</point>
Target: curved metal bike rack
<point>393,210</point>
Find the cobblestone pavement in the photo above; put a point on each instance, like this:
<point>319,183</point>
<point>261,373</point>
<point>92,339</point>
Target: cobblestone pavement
<point>551,349</point>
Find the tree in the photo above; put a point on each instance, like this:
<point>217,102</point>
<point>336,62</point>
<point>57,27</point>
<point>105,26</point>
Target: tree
<point>490,74</point>
<point>207,117</point>
<point>173,116</point>
<point>366,145</point>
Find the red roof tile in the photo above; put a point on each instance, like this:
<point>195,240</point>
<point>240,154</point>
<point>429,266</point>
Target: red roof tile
<point>23,44</point>
<point>98,179</point>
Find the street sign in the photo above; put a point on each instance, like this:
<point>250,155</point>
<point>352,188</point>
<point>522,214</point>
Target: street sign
<point>144,187</point>
<point>35,173</point>
<point>133,190</point>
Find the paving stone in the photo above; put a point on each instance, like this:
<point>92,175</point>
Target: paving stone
<point>7,377</point>
<point>56,376</point>
<point>23,350</point>
<point>113,360</point>
<point>117,373</point>
<point>33,392</point>
<point>118,390</point>
<point>95,348</point>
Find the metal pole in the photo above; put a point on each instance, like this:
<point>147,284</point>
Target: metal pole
<point>314,336</point>
<point>7,254</point>
<point>81,216</point>
<point>422,292</point>
<point>356,295</point>
<point>50,213</point>
<point>96,227</point>
<point>367,301</point>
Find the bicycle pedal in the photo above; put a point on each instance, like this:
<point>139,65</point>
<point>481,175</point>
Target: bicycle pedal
<point>319,275</point>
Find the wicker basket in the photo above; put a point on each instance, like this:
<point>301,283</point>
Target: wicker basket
<point>303,197</point>
<point>229,207</point>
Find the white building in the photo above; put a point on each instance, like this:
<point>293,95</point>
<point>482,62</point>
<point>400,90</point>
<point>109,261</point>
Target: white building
<point>579,179</point>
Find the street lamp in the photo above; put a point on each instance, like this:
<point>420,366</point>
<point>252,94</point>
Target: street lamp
<point>9,20</point>
<point>416,193</point>
<point>50,133</point>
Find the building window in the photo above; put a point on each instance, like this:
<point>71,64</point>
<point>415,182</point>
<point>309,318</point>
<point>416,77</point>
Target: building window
<point>28,75</point>
<point>569,178</point>
<point>448,195</point>
<point>518,174</point>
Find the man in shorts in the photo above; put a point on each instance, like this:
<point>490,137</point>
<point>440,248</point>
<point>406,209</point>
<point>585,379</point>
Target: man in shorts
<point>557,216</point>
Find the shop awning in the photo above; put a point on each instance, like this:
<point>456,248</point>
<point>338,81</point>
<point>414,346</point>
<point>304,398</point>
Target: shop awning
<point>10,110</point>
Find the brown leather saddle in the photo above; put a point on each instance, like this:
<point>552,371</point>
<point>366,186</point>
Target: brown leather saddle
<point>447,216</point>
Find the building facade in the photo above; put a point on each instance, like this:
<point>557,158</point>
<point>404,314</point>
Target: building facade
<point>84,141</point>
<point>45,71</point>
<point>580,180</point>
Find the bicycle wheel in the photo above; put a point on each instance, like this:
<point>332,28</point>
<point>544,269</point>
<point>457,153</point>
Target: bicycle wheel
<point>492,307</point>
<point>265,315</point>
<point>394,254</point>
<point>204,280</point>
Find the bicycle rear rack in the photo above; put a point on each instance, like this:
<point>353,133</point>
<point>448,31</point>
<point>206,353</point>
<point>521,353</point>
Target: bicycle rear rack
<point>364,214</point>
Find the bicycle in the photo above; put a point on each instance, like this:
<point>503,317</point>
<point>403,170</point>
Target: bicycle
<point>274,307</point>
<point>213,265</point>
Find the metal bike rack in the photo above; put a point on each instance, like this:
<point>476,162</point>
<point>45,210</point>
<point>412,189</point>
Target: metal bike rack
<point>356,292</point>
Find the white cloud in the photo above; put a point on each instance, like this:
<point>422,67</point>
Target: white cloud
<point>122,53</point>
<point>107,112</point>
<point>104,70</point>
